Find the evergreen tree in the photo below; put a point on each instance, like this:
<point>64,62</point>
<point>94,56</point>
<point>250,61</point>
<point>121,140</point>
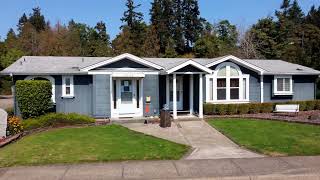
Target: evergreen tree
<point>228,35</point>
<point>313,16</point>
<point>37,19</point>
<point>151,46</point>
<point>131,18</point>
<point>191,22</point>
<point>23,19</point>
<point>178,35</point>
<point>162,19</point>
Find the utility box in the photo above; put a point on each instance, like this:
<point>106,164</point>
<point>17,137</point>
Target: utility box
<point>165,118</point>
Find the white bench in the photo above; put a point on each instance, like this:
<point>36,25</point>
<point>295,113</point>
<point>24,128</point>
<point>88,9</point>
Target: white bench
<point>287,108</point>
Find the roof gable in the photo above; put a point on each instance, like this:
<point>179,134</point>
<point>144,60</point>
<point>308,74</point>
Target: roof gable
<point>237,61</point>
<point>124,63</point>
<point>189,63</point>
<point>122,57</point>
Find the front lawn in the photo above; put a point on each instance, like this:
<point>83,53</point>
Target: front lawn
<point>272,137</point>
<point>89,144</point>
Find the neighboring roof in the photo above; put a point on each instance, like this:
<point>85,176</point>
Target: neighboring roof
<point>33,65</point>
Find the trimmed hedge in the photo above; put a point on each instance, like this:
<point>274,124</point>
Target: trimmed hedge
<point>56,120</point>
<point>254,108</point>
<point>34,97</point>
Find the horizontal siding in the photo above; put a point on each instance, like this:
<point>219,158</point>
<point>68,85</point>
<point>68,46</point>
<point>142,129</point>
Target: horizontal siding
<point>303,89</point>
<point>151,88</point>
<point>101,96</point>
<point>82,101</point>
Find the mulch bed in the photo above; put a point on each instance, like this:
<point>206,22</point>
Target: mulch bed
<point>301,117</point>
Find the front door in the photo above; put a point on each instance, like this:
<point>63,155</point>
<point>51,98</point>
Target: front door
<point>128,96</point>
<point>179,93</point>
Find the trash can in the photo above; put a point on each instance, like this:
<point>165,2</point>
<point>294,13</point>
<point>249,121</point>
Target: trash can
<point>165,118</point>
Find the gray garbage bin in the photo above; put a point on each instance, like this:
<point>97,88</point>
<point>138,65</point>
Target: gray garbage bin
<point>165,118</point>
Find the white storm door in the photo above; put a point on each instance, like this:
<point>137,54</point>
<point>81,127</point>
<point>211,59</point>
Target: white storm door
<point>179,93</point>
<point>127,97</point>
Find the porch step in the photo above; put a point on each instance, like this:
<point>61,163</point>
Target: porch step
<point>134,120</point>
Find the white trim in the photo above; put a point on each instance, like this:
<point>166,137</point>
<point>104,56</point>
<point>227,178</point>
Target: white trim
<point>200,96</point>
<point>174,101</point>
<point>192,63</point>
<point>215,76</point>
<point>138,112</point>
<point>122,72</point>
<point>261,89</point>
<point>191,94</point>
<point>120,57</point>
<point>168,91</point>
<point>275,84</point>
<point>238,60</point>
<point>51,79</point>
<point>64,95</point>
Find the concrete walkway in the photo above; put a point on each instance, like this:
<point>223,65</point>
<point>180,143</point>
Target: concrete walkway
<point>208,143</point>
<point>245,169</point>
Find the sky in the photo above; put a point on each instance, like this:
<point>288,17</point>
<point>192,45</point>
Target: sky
<point>243,13</point>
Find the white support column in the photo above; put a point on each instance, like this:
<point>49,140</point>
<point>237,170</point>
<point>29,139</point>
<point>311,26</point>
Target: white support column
<point>261,89</point>
<point>200,96</point>
<point>168,91</point>
<point>175,115</point>
<point>191,94</point>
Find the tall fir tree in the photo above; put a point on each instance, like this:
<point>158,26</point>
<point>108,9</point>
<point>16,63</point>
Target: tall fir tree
<point>37,19</point>
<point>191,22</point>
<point>22,20</point>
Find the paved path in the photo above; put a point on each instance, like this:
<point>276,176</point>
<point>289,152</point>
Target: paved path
<point>208,143</point>
<point>245,169</point>
<point>6,102</point>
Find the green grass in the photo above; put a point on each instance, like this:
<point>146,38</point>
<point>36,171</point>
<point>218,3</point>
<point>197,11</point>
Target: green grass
<point>89,144</point>
<point>272,137</point>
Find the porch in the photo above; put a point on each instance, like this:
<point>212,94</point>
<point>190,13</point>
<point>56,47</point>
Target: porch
<point>182,94</point>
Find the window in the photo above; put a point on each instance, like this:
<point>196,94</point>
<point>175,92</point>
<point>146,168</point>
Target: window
<point>228,84</point>
<point>67,86</point>
<point>282,85</point>
<point>221,89</point>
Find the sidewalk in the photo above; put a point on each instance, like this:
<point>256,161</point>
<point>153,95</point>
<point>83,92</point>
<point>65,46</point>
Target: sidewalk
<point>244,169</point>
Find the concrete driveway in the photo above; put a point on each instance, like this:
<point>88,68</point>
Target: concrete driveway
<point>208,143</point>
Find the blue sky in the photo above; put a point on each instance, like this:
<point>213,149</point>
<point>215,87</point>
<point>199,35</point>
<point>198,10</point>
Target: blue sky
<point>240,12</point>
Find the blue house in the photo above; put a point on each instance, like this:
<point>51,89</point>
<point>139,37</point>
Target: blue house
<point>131,86</point>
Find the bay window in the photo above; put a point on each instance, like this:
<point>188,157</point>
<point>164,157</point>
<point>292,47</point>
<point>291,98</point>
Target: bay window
<point>227,84</point>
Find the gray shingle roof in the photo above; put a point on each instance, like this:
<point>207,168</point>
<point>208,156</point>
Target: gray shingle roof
<point>29,65</point>
<point>281,67</point>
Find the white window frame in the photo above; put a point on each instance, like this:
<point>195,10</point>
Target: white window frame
<point>215,76</point>
<point>275,86</point>
<point>64,94</point>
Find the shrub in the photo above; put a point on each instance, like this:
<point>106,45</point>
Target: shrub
<point>10,111</point>
<point>310,105</point>
<point>209,109</point>
<point>34,97</point>
<point>14,125</point>
<point>317,105</point>
<point>243,108</point>
<point>56,120</point>
<point>254,108</point>
<point>221,109</point>
<point>232,109</point>
<point>266,107</point>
